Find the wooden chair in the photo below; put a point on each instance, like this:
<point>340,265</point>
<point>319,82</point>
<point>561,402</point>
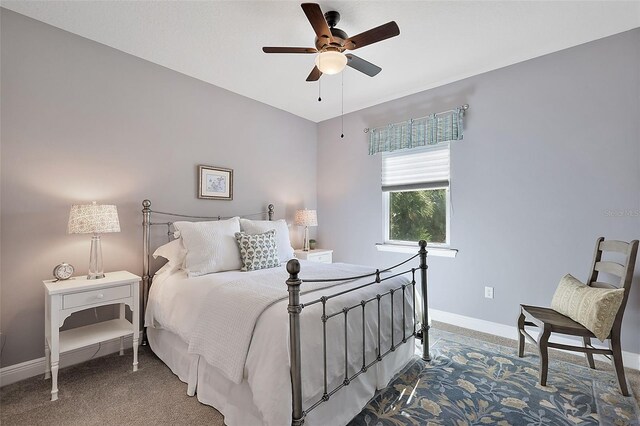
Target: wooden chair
<point>550,321</point>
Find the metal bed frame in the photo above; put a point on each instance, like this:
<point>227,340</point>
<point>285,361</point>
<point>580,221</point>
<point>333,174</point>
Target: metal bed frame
<point>295,309</point>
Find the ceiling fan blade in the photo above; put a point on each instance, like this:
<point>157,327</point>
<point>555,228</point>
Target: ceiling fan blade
<point>289,50</point>
<point>361,65</point>
<point>315,74</point>
<point>316,18</point>
<point>374,35</point>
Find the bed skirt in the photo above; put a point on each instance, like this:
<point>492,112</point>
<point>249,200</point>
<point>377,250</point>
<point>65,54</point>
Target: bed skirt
<point>235,401</point>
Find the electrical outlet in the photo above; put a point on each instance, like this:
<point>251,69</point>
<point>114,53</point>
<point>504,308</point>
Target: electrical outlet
<point>488,292</point>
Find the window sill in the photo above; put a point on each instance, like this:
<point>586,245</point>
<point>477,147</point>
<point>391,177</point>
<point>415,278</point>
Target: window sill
<point>413,249</point>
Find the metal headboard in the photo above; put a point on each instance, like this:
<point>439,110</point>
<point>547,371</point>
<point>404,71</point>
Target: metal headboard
<point>146,227</point>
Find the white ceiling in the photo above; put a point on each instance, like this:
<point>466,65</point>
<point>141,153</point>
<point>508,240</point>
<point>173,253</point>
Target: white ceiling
<point>440,41</point>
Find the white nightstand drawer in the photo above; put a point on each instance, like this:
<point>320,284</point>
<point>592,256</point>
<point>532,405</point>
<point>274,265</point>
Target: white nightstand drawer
<point>95,296</point>
<point>317,255</point>
<point>322,258</point>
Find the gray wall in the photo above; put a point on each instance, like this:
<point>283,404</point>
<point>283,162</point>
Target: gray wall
<point>551,144</point>
<point>83,122</point>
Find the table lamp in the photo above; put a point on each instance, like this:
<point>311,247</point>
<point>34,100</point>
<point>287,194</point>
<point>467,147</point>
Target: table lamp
<point>94,219</point>
<point>306,218</point>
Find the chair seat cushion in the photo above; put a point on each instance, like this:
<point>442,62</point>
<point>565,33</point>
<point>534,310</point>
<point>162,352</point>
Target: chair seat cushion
<point>594,308</point>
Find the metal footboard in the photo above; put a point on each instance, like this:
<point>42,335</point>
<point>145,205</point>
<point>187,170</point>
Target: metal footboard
<point>295,309</point>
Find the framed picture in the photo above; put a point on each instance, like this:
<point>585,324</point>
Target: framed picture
<point>215,183</point>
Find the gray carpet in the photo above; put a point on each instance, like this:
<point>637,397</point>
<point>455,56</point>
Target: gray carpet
<point>106,391</point>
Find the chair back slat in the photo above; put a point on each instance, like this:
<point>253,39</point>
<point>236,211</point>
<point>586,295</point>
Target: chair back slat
<point>613,245</point>
<point>599,284</point>
<point>610,268</point>
<point>597,255</point>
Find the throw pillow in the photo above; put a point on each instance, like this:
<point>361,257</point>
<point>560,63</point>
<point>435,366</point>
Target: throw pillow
<point>594,308</point>
<point>285,251</point>
<point>258,251</point>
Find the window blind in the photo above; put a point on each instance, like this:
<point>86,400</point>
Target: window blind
<point>416,168</point>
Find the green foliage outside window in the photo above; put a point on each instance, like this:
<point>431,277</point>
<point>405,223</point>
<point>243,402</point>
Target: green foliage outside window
<point>418,215</point>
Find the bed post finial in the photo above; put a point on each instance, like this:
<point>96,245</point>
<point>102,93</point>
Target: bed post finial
<point>146,280</point>
<point>270,209</point>
<point>294,309</point>
<point>425,304</point>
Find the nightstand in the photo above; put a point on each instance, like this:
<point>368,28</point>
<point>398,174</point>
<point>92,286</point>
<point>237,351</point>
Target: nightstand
<point>62,298</point>
<point>317,255</point>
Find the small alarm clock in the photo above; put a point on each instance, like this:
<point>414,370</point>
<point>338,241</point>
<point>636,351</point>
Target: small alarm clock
<point>63,271</point>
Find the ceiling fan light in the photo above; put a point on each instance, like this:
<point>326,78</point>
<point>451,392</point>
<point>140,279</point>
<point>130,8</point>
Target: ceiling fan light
<point>331,62</point>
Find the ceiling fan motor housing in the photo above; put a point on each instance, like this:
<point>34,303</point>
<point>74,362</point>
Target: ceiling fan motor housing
<point>332,17</point>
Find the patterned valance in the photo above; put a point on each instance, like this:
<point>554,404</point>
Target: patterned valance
<point>430,130</point>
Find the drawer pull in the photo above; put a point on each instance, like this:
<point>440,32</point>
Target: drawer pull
<point>100,296</point>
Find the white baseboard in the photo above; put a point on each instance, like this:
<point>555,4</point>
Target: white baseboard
<point>630,359</point>
<point>24,370</point>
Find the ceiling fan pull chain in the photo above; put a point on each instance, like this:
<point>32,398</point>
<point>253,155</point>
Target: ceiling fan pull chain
<point>319,84</point>
<point>342,111</point>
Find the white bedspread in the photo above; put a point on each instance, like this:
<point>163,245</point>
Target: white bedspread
<point>225,327</point>
<point>215,314</point>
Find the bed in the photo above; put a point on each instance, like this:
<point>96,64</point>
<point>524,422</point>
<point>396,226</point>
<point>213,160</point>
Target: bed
<point>299,342</point>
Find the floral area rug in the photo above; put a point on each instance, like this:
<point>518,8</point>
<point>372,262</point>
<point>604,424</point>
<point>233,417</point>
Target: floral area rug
<point>471,382</point>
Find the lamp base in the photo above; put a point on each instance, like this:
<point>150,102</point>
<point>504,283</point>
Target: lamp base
<point>95,259</point>
<point>95,276</point>
<point>306,239</point>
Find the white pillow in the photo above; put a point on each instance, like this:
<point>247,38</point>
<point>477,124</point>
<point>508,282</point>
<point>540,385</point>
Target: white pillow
<point>254,227</point>
<point>211,246</point>
<point>174,252</point>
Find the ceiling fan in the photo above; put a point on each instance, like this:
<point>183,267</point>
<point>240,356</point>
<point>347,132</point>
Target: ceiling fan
<point>331,42</point>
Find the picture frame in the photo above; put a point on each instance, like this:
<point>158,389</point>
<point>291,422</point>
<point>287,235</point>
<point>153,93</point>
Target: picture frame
<point>215,183</point>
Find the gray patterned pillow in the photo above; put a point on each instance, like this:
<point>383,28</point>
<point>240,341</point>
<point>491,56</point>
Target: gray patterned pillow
<point>259,251</point>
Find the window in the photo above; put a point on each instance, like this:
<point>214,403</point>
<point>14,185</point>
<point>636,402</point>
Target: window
<point>415,189</point>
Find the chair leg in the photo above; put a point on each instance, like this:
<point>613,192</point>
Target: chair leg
<point>617,363</point>
<point>589,355</point>
<point>543,348</point>
<point>521,319</point>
